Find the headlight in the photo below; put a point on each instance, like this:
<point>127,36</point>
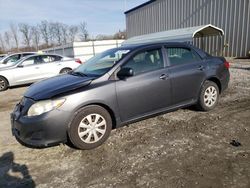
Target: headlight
<point>44,106</point>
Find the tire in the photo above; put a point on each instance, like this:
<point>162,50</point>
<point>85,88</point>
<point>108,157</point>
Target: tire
<point>83,133</point>
<point>209,96</point>
<point>65,70</point>
<point>3,84</point>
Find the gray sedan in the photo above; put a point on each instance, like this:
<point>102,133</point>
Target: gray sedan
<point>115,88</point>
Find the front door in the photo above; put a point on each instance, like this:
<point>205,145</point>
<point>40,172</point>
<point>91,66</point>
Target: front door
<point>28,71</point>
<point>148,90</point>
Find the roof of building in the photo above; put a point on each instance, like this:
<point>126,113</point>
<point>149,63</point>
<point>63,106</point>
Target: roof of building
<point>137,7</point>
<point>176,35</point>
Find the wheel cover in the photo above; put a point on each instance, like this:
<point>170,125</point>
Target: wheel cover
<point>66,71</point>
<point>2,84</point>
<point>92,128</point>
<point>210,96</point>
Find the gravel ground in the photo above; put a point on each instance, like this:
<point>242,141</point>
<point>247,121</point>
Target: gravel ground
<point>184,148</point>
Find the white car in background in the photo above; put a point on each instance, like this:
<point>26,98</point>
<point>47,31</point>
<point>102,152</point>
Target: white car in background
<point>10,59</point>
<point>34,68</point>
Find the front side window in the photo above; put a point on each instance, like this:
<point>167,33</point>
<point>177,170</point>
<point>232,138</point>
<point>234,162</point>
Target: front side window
<point>29,61</point>
<point>179,56</point>
<point>102,63</point>
<point>32,60</point>
<point>145,61</point>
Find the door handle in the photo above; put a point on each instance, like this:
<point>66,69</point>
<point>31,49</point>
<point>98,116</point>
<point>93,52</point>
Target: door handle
<point>163,76</point>
<point>201,68</point>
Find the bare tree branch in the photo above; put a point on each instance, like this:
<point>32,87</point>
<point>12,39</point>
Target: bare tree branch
<point>25,30</point>
<point>83,31</point>
<point>73,30</point>
<point>2,43</point>
<point>35,36</point>
<point>7,39</point>
<point>13,29</point>
<point>44,29</point>
<point>64,33</point>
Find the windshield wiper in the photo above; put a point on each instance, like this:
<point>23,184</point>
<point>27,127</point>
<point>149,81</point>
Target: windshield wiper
<point>78,73</point>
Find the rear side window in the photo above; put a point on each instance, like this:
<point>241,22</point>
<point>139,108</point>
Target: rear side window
<point>50,58</point>
<point>55,58</point>
<point>146,61</point>
<point>179,56</point>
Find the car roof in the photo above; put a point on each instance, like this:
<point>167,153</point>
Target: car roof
<point>133,46</point>
<point>170,44</point>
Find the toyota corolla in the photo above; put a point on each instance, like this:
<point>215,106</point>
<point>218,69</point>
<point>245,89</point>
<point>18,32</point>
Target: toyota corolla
<point>115,88</point>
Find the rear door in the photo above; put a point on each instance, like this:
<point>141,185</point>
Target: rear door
<point>148,90</point>
<point>187,72</point>
<point>49,66</point>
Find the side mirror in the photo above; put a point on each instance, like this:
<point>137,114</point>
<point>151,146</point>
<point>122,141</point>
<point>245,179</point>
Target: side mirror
<point>125,72</point>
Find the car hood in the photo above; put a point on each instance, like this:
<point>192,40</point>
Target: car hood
<point>57,85</point>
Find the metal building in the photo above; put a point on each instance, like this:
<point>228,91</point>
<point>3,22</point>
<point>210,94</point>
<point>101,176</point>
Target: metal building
<point>233,16</point>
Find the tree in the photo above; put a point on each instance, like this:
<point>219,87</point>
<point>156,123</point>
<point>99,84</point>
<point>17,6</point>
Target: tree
<point>83,31</point>
<point>25,30</point>
<point>35,36</point>
<point>7,39</point>
<point>72,33</point>
<point>13,29</point>
<point>64,33</point>
<point>2,45</point>
<point>44,30</point>
<point>55,32</point>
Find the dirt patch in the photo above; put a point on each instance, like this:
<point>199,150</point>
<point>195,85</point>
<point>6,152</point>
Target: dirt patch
<point>184,148</point>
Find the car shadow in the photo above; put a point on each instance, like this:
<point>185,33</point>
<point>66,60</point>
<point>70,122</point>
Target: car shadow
<point>242,68</point>
<point>19,86</point>
<point>13,174</point>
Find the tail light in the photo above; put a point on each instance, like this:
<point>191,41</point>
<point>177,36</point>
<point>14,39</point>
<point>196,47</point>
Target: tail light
<point>227,65</point>
<point>78,61</point>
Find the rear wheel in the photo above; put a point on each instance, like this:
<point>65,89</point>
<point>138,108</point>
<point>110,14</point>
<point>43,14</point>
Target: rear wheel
<point>90,128</point>
<point>209,96</point>
<point>3,84</point>
<point>65,70</point>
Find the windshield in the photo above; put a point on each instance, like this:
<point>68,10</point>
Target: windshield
<point>101,63</point>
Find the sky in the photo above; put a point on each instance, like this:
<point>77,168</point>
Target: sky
<point>101,16</point>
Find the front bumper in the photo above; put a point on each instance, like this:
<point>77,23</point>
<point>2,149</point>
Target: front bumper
<point>40,131</point>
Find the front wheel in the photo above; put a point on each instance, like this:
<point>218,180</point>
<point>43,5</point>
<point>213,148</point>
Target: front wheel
<point>3,84</point>
<point>65,70</point>
<point>90,128</point>
<point>209,96</point>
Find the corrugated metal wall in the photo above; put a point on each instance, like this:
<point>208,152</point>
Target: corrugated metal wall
<point>233,16</point>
